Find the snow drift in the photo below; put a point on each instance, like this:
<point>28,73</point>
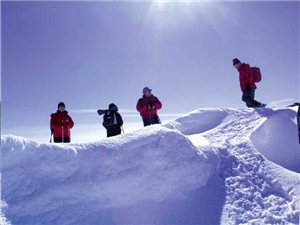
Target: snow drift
<point>153,164</point>
<point>212,166</point>
<point>275,139</point>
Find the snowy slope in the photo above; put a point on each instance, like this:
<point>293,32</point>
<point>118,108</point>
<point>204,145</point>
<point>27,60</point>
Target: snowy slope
<point>3,206</point>
<point>257,190</point>
<point>212,166</point>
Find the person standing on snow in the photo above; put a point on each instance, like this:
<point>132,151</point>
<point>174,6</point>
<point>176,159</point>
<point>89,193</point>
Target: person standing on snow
<point>298,117</point>
<point>298,121</point>
<point>112,121</point>
<point>247,84</point>
<point>148,106</point>
<point>61,123</point>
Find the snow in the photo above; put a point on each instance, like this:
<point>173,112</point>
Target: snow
<point>198,121</point>
<point>275,138</point>
<point>211,166</point>
<point>3,207</point>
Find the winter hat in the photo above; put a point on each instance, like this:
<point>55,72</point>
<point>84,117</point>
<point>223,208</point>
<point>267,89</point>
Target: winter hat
<point>112,107</point>
<point>61,104</point>
<point>236,61</point>
<point>146,89</point>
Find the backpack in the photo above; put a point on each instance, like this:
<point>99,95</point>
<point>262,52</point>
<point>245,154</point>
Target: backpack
<point>256,74</point>
<point>110,121</point>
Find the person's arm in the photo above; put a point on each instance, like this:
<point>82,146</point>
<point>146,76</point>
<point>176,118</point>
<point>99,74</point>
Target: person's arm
<point>54,124</point>
<point>244,80</point>
<point>71,122</point>
<point>157,103</point>
<point>120,120</point>
<point>140,107</point>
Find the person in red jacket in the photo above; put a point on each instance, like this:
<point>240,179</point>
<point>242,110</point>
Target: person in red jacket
<point>247,84</point>
<point>61,123</point>
<point>148,106</point>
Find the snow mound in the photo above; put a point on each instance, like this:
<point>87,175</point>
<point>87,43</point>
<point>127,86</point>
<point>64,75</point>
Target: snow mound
<point>213,166</point>
<point>198,121</point>
<point>257,191</point>
<point>275,139</point>
<point>62,184</point>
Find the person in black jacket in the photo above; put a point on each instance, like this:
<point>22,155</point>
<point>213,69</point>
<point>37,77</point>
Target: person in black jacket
<point>112,121</point>
<point>298,121</point>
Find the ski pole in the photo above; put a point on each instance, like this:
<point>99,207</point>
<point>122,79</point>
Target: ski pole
<point>123,130</point>
<point>62,128</point>
<point>69,133</point>
<point>51,136</point>
<point>150,120</point>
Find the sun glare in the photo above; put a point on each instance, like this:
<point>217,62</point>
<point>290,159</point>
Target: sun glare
<point>172,13</point>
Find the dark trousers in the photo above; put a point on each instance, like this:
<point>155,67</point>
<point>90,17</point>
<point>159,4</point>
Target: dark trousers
<point>59,140</point>
<point>248,98</point>
<point>150,121</point>
<point>298,122</point>
<point>113,131</point>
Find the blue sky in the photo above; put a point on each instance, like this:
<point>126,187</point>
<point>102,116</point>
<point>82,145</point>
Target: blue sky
<point>89,54</point>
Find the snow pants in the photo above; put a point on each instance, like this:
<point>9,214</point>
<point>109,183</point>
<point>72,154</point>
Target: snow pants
<point>248,98</point>
<point>151,121</point>
<point>298,121</point>
<point>113,131</point>
<point>59,140</point>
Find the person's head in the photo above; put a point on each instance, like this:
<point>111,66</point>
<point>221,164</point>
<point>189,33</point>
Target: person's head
<point>237,63</point>
<point>147,91</point>
<point>61,106</point>
<point>112,107</point>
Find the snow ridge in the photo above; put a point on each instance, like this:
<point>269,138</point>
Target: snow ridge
<point>202,168</point>
<point>65,182</point>
<point>253,197</point>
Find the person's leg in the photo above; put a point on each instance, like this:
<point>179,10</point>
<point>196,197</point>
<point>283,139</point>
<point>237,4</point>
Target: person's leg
<point>154,120</point>
<point>118,131</point>
<point>57,140</point>
<point>248,98</point>
<point>254,102</point>
<point>109,133</point>
<point>298,122</point>
<point>146,122</point>
<point>114,132</point>
<point>66,139</point>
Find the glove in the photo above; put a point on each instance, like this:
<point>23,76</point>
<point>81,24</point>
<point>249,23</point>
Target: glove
<point>65,123</point>
<point>150,105</point>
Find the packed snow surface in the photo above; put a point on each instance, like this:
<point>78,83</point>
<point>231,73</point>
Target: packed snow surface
<point>212,166</point>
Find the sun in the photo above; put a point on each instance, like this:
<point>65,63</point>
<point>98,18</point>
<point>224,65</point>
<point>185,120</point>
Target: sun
<point>173,13</point>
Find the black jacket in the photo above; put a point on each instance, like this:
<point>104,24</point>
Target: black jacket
<point>114,115</point>
<point>113,124</point>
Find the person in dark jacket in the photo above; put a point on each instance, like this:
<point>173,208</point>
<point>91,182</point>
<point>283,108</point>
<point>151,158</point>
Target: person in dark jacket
<point>298,121</point>
<point>247,83</point>
<point>148,106</point>
<point>61,124</point>
<point>112,121</point>
<point>298,117</point>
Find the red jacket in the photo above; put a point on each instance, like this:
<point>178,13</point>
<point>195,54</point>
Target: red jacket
<point>59,120</point>
<point>143,107</point>
<point>246,76</point>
